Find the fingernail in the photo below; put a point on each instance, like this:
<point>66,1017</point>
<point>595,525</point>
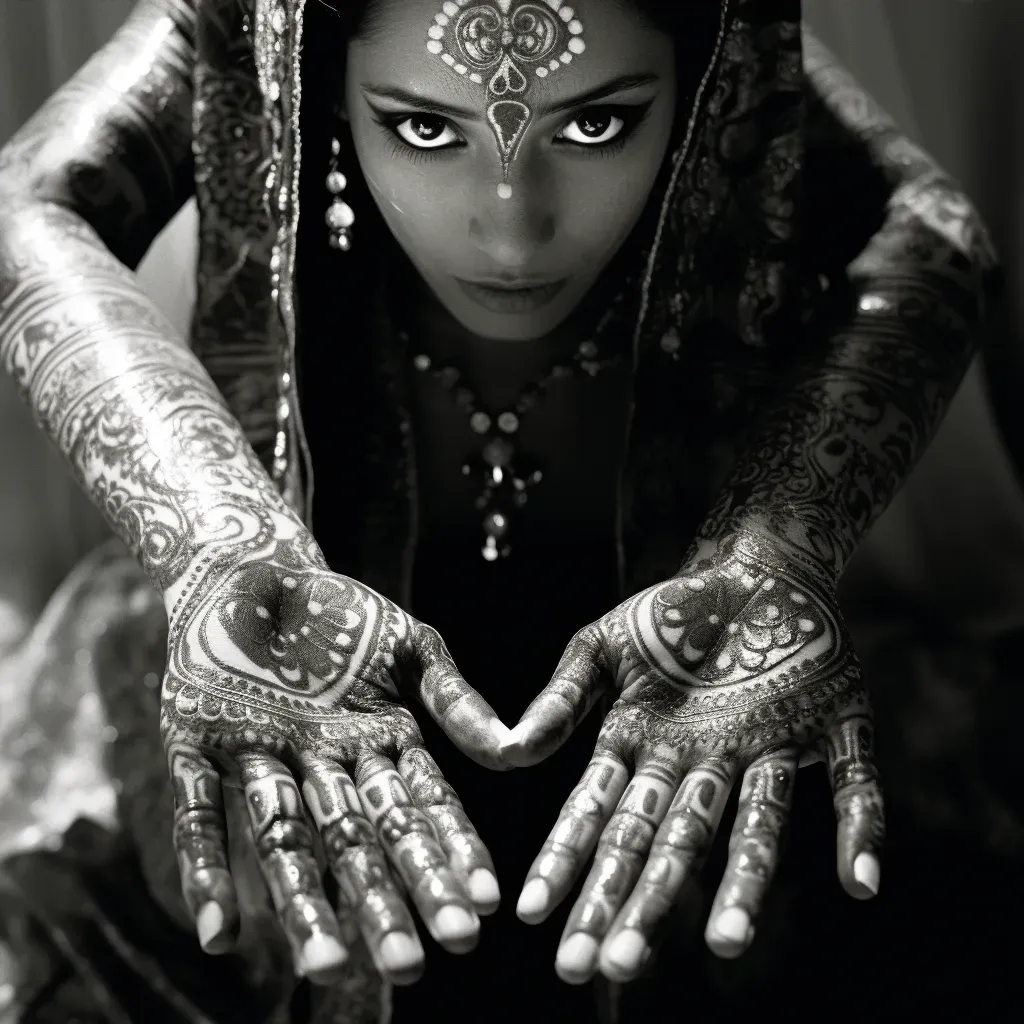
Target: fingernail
<point>733,925</point>
<point>514,738</point>
<point>867,871</point>
<point>533,900</point>
<point>321,954</point>
<point>455,925</point>
<point>500,731</point>
<point>577,958</point>
<point>209,924</point>
<point>400,953</point>
<point>483,889</point>
<point>627,952</point>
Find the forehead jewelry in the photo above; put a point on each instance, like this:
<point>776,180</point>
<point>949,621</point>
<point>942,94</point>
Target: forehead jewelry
<point>502,45</point>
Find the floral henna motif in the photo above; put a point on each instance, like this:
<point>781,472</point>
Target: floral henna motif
<point>281,672</point>
<point>502,45</point>
<point>739,666</point>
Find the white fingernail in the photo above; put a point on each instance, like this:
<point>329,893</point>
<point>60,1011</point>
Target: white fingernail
<point>500,731</point>
<point>454,924</point>
<point>577,958</point>
<point>483,888</point>
<point>209,923</point>
<point>400,952</point>
<point>733,924</point>
<point>867,871</point>
<point>322,953</point>
<point>515,736</point>
<point>627,951</point>
<point>534,899</point>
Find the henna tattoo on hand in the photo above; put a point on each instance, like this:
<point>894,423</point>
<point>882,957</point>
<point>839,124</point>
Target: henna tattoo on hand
<point>736,668</point>
<point>277,669</point>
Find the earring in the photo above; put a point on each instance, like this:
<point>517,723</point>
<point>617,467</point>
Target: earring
<point>340,217</point>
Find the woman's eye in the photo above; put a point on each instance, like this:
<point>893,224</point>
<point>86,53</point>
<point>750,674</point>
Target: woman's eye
<point>593,128</point>
<point>426,131</point>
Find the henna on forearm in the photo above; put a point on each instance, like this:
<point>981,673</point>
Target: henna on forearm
<point>142,425</point>
<point>843,433</point>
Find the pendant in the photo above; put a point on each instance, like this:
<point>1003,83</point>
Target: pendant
<point>504,489</point>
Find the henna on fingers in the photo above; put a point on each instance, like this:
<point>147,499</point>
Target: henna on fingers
<point>285,673</point>
<point>737,667</point>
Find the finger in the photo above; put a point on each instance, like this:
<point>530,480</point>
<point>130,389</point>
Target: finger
<point>860,809</point>
<point>361,867</point>
<point>408,837</point>
<point>765,801</point>
<point>553,716</point>
<point>621,855</point>
<point>466,851</point>
<point>466,718</point>
<point>574,836</point>
<point>680,848</point>
<point>201,847</point>
<point>284,846</point>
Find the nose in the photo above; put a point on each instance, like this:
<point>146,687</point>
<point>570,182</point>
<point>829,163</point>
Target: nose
<point>511,231</point>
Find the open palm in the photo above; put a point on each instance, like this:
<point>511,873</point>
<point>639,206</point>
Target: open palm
<point>739,665</point>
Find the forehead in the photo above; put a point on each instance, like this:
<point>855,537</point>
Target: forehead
<point>617,41</point>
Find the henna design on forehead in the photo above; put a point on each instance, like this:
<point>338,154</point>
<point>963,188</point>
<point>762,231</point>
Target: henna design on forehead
<point>500,45</point>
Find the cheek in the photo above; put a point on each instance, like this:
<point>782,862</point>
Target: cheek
<point>415,200</point>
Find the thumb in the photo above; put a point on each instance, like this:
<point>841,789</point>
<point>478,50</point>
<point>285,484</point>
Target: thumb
<point>553,716</point>
<point>466,718</point>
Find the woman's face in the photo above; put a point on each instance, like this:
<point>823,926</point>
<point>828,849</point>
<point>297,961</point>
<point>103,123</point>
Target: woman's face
<point>596,131</point>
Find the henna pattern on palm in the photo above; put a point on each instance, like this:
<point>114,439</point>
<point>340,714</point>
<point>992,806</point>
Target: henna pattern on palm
<point>740,665</point>
<point>279,670</point>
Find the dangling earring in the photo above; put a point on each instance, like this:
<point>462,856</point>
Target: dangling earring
<point>340,217</point>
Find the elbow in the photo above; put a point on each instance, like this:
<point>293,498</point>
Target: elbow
<point>937,211</point>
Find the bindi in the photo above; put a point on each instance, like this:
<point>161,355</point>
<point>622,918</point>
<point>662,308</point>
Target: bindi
<point>503,45</point>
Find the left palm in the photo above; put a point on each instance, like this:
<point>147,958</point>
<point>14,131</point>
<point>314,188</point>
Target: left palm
<point>741,663</point>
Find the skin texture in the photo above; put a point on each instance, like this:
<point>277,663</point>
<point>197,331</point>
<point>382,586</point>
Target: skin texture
<point>279,673</point>
<point>571,208</point>
<point>739,668</point>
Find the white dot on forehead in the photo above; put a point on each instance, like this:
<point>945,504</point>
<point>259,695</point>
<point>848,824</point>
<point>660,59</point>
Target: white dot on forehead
<point>576,27</point>
<point>504,191</point>
<point>577,45</point>
<point>441,19</point>
<point>435,46</point>
<point>566,13</point>
<point>450,9</point>
<point>542,72</point>
<point>448,59</point>
<point>435,32</point>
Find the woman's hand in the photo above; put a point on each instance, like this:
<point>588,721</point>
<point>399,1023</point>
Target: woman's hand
<point>280,674</point>
<point>740,665</point>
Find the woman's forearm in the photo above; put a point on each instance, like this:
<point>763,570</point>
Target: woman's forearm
<point>85,186</point>
<point>844,433</point>
<point>141,423</point>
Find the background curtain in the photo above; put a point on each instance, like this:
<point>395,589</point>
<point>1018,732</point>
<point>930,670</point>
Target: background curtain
<point>950,73</point>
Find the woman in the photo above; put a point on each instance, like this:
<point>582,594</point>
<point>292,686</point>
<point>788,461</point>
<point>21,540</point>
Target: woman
<point>724,344</point>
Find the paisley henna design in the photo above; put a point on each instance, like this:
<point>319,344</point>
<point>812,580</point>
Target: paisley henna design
<point>738,665</point>
<point>500,44</point>
<point>280,671</point>
<point>861,404</point>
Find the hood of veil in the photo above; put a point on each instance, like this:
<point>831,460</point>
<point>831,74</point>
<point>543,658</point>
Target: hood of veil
<point>726,237</point>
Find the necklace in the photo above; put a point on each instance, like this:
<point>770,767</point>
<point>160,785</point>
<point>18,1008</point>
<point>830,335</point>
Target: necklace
<point>506,479</point>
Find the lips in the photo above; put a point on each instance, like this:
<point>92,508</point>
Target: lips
<point>511,297</point>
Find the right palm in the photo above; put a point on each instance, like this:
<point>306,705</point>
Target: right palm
<point>279,668</point>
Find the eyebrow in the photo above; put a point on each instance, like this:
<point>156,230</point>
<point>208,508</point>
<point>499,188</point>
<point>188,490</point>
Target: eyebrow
<point>616,85</point>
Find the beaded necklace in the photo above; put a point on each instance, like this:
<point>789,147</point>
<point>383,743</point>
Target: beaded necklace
<point>506,479</point>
